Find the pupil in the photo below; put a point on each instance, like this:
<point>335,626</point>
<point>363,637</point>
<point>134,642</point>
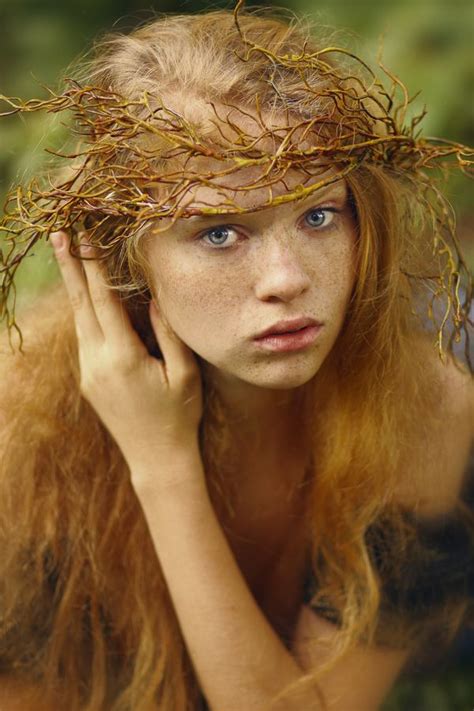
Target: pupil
<point>316,217</point>
<point>219,235</point>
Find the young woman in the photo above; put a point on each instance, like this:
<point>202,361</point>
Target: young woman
<point>234,464</point>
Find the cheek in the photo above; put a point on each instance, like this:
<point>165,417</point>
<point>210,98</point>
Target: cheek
<point>337,276</point>
<point>191,295</point>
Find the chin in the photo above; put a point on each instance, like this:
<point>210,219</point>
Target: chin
<point>269,375</point>
<point>290,383</point>
<point>293,378</point>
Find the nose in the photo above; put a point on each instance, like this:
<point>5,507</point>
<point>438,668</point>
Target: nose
<point>280,274</point>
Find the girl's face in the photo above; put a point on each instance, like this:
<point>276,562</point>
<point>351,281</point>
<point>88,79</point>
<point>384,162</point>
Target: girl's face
<point>222,280</point>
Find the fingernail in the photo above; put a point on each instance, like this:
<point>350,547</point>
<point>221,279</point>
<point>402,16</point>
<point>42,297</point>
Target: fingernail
<point>85,245</point>
<point>57,240</point>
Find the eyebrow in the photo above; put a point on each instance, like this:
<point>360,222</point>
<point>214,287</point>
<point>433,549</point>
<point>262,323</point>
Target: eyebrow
<point>333,190</point>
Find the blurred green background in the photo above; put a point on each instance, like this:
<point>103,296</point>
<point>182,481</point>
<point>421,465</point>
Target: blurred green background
<point>428,43</point>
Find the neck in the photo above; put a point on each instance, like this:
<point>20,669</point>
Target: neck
<point>265,420</point>
<point>266,450</point>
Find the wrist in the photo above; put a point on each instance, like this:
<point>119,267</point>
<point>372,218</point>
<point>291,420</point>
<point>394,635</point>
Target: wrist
<point>163,471</point>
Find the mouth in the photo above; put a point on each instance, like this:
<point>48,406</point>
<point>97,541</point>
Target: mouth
<point>282,333</point>
<point>288,326</point>
<point>289,340</point>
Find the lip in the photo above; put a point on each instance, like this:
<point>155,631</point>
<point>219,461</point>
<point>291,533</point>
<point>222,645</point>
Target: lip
<point>294,324</point>
<point>285,342</point>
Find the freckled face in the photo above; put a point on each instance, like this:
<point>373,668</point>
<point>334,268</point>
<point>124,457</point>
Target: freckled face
<point>223,280</point>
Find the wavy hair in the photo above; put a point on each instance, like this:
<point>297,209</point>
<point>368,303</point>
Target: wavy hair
<point>85,609</point>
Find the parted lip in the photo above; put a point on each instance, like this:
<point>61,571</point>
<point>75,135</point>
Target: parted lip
<point>286,326</point>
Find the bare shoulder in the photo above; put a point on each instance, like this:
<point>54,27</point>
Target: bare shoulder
<point>436,463</point>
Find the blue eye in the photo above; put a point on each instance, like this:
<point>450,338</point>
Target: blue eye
<point>218,236</point>
<point>320,217</point>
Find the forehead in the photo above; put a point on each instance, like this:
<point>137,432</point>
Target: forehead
<point>243,159</point>
<point>246,190</point>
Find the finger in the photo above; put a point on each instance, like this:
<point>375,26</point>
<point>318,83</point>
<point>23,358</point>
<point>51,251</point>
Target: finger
<point>110,313</point>
<point>85,320</point>
<point>179,359</point>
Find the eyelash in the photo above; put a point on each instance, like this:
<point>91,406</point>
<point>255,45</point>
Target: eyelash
<point>200,238</point>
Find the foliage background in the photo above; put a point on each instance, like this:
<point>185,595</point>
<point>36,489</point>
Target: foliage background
<point>428,43</point>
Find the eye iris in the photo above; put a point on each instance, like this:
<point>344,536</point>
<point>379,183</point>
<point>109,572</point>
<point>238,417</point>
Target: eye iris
<point>221,233</point>
<point>316,218</point>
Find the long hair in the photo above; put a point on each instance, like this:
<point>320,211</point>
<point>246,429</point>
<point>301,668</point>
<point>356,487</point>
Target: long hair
<point>85,609</point>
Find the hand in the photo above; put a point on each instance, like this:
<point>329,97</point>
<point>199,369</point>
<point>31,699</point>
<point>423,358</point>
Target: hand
<point>148,405</point>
